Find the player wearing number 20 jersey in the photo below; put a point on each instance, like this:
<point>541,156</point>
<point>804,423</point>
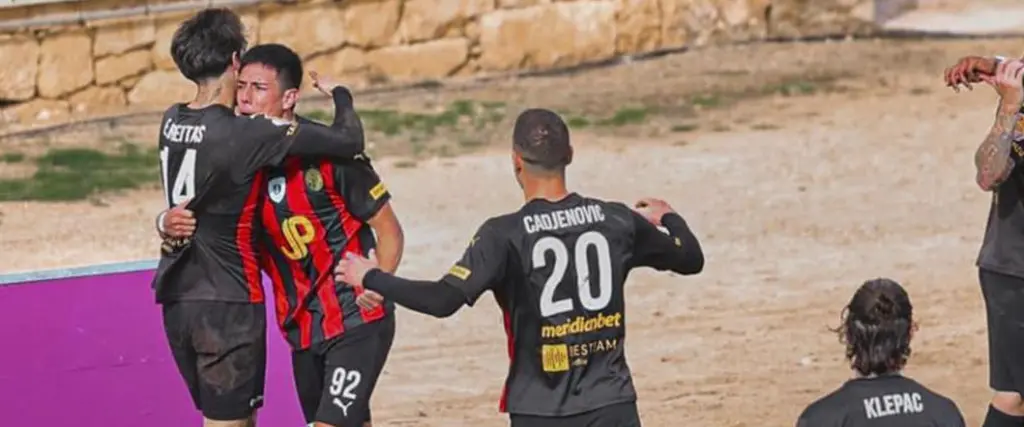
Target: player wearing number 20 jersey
<point>557,268</point>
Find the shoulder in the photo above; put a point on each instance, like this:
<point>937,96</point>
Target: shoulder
<point>617,213</point>
<point>821,412</point>
<point>939,399</point>
<point>502,226</point>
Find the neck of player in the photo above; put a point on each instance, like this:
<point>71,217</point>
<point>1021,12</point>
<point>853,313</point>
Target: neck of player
<point>215,91</point>
<point>550,188</point>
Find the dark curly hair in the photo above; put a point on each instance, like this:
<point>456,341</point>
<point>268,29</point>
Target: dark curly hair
<point>876,328</point>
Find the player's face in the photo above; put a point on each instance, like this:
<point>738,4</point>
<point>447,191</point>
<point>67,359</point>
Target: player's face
<point>260,92</point>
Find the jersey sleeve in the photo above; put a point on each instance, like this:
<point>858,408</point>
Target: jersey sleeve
<point>482,264</point>
<point>261,141</point>
<point>679,251</point>
<point>364,192</point>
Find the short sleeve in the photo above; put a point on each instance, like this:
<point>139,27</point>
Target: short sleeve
<point>651,247</point>
<point>364,192</point>
<point>482,264</point>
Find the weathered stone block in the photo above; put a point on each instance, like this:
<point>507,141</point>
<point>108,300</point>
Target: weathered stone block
<point>65,64</point>
<point>19,74</point>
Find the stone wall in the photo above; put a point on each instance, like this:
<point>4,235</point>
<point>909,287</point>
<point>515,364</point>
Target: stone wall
<point>89,67</point>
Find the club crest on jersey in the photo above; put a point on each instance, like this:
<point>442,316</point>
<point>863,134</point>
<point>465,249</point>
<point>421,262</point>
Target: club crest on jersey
<point>276,189</point>
<point>314,180</point>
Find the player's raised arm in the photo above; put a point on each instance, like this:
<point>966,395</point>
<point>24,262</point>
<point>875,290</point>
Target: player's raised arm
<point>678,251</point>
<point>995,157</point>
<point>343,139</point>
<point>481,264</point>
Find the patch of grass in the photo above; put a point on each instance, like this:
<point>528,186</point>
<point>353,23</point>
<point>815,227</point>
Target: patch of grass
<point>12,157</point>
<point>405,164</point>
<point>765,126</point>
<point>684,128</point>
<point>71,174</point>
<point>707,101</point>
<point>578,122</point>
<point>470,143</point>
<point>393,122</point>
<point>626,116</point>
<point>920,91</point>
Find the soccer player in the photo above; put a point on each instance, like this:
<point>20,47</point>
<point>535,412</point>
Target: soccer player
<point>1001,257</point>
<point>209,285</point>
<point>313,212</point>
<point>557,268</point>
<point>877,326</point>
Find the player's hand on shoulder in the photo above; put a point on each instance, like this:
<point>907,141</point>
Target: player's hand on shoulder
<point>179,222</point>
<point>653,209</point>
<point>353,268</point>
<point>324,84</point>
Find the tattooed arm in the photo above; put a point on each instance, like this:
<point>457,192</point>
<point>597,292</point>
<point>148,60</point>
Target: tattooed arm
<point>992,160</point>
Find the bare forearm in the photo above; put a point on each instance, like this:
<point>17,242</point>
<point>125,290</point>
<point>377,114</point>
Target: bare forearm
<point>992,159</point>
<point>389,250</point>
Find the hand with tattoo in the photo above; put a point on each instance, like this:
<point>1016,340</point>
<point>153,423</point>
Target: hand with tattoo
<point>992,159</point>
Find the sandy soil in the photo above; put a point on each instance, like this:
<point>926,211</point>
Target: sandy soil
<point>796,199</point>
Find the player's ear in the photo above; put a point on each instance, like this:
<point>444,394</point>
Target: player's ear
<point>568,157</point>
<point>236,62</point>
<point>517,161</point>
<point>289,99</point>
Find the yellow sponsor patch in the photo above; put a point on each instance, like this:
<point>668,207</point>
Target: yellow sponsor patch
<point>554,357</point>
<point>459,271</point>
<point>378,190</point>
<point>679,243</point>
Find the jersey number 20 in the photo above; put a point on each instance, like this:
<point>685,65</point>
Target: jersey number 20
<point>184,187</point>
<point>548,305</point>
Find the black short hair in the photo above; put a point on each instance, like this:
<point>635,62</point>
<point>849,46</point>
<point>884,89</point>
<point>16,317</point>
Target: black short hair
<point>279,57</point>
<point>203,46</point>
<point>876,327</point>
<point>541,137</point>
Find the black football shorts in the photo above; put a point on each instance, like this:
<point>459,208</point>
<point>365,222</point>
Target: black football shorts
<point>1004,309</point>
<point>221,352</point>
<point>335,380</point>
<point>618,415</point>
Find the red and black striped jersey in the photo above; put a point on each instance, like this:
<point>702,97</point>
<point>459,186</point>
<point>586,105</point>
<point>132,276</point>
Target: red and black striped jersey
<point>314,212</point>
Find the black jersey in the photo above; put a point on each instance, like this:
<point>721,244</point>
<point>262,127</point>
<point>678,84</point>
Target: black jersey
<point>1002,248</point>
<point>214,158</point>
<point>558,270</point>
<point>885,401</point>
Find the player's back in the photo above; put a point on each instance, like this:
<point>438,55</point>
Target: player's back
<point>213,157</point>
<point>563,300</point>
<point>882,401</point>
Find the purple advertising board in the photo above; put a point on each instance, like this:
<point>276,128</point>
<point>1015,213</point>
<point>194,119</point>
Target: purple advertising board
<point>86,347</point>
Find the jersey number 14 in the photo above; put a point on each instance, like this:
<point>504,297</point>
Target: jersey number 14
<point>184,187</point>
<point>581,260</point>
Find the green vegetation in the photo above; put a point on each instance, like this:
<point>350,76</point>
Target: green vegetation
<point>69,174</point>
<point>12,157</point>
<point>462,113</point>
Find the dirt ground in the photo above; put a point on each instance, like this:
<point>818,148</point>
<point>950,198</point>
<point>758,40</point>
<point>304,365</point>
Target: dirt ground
<point>797,200</point>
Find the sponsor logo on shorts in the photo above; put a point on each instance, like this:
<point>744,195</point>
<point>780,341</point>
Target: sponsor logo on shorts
<point>256,401</point>
<point>582,325</point>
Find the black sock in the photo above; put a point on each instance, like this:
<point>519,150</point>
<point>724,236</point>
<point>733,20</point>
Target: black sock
<point>997,418</point>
